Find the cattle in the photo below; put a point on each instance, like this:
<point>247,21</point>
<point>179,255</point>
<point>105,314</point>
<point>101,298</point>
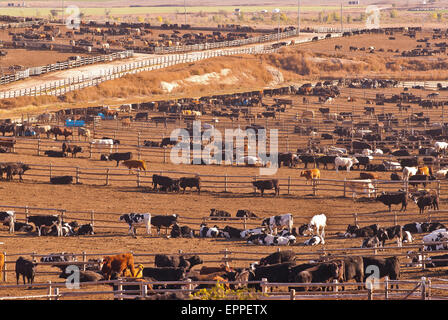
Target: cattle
<point>231,232</point>
<point>207,232</point>
<point>212,270</point>
<point>391,165</point>
<point>55,154</point>
<point>278,257</point>
<point>120,156</point>
<point>344,162</point>
<point>409,162</point>
<point>46,220</point>
<point>441,174</point>
<point>353,231</point>
<point>57,131</point>
<point>272,223</point>
<point>166,183</point>
<point>363,186</point>
<point>181,232</point>
<point>310,174</point>
<point>164,221</point>
<point>270,240</point>
<point>409,172</point>
<point>420,179</point>
<point>325,160</point>
<point>8,218</point>
<point>287,159</point>
<point>407,237</point>
<point>427,200</point>
<point>73,149</point>
<point>390,233</point>
<point>317,225</point>
<point>137,219</point>
<point>59,257</point>
<point>25,268</point>
<point>186,262</point>
<point>353,270</point>
<point>395,177</point>
<point>103,143</point>
<point>436,236</point>
<point>247,233</point>
<point>164,274</point>
<point>194,182</point>
<point>437,261</point>
<point>276,273</point>
<point>368,175</point>
<point>84,276</point>
<point>243,213</point>
<point>117,264</point>
<point>221,214</point>
<point>391,198</point>
<point>321,273</point>
<point>387,267</point>
<point>83,132</point>
<point>167,142</point>
<point>61,180</point>
<point>135,164</point>
<point>314,241</point>
<point>151,144</point>
<point>441,146</point>
<point>85,229</point>
<point>267,185</point>
<point>20,226</point>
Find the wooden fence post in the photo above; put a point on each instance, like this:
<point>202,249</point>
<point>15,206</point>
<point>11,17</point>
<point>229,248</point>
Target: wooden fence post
<point>92,218</point>
<point>84,259</point>
<point>423,286</point>
<point>386,287</point>
<point>370,293</point>
<point>264,287</point>
<point>5,267</point>
<point>226,257</point>
<point>49,290</point>
<point>245,223</point>
<point>77,175</point>
<point>107,177</point>
<point>292,294</point>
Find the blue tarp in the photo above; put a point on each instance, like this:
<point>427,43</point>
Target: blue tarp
<point>75,123</point>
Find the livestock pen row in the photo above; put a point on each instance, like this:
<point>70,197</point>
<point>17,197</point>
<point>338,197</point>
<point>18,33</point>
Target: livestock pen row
<point>241,184</point>
<point>422,289</point>
<point>112,226</point>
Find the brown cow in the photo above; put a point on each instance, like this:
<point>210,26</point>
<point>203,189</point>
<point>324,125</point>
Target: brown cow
<point>117,264</point>
<point>208,270</point>
<point>368,175</point>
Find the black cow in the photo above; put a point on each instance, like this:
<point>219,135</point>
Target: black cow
<point>287,159</point>
<point>430,227</point>
<point>353,269</point>
<point>221,214</point>
<point>167,142</point>
<point>321,273</point>
<point>278,257</point>
<point>390,233</point>
<point>164,221</point>
<point>372,242</point>
<point>85,229</point>
<point>84,276</point>
<point>46,220</point>
<point>267,185</point>
<point>395,177</point>
<point>195,182</point>
<point>362,161</point>
<point>401,153</point>
<point>55,154</point>
<point>21,227</point>
<point>13,169</point>
<point>120,156</point>
<point>148,143</point>
<point>70,148</point>
<point>436,262</point>
<point>355,231</point>
<point>25,268</point>
<point>245,213</point>
<point>325,160</point>
<point>181,232</point>
<point>273,273</point>
<point>391,198</point>
<point>165,274</point>
<point>308,159</point>
<point>387,267</point>
<point>417,179</point>
<point>231,232</point>
<point>427,200</point>
<point>408,162</point>
<point>61,180</point>
<point>166,183</point>
<point>172,261</point>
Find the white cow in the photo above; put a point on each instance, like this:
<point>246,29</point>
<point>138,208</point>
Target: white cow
<point>365,186</point>
<point>337,151</point>
<point>317,225</point>
<point>8,217</point>
<point>345,162</point>
<point>137,219</point>
<point>367,152</point>
<point>103,143</point>
<point>436,236</point>
<point>314,241</point>
<point>441,174</point>
<point>409,172</point>
<point>440,146</point>
<point>378,152</point>
<point>247,233</point>
<point>271,240</point>
<point>391,165</point>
